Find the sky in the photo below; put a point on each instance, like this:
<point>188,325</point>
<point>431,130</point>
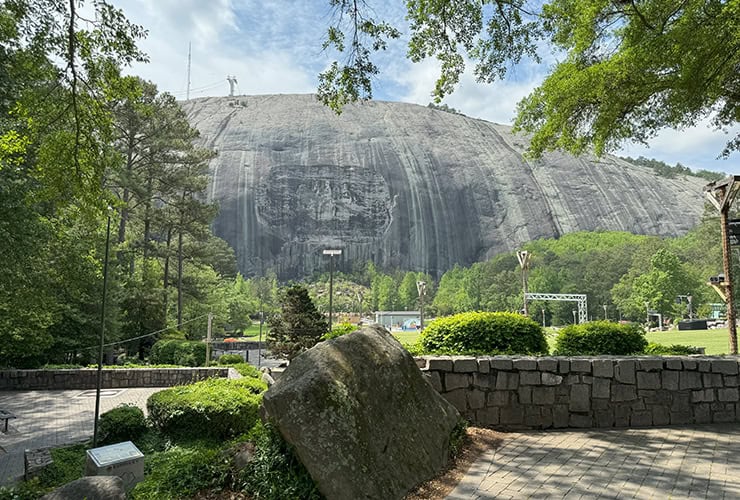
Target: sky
<point>275,47</point>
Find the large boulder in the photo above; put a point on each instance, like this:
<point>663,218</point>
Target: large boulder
<point>90,488</point>
<point>362,419</point>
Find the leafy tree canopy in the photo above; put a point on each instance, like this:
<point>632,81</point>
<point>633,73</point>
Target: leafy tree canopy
<point>627,70</point>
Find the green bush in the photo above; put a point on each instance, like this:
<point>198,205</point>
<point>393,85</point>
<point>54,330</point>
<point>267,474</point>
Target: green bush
<point>247,370</point>
<point>178,352</point>
<point>484,333</point>
<point>123,423</point>
<point>600,337</point>
<point>181,472</point>
<point>675,350</point>
<point>275,472</point>
<point>217,408</point>
<point>230,359</point>
<point>339,330</point>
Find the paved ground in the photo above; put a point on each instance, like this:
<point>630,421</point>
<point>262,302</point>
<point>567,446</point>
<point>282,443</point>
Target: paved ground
<point>53,418</point>
<point>679,462</point>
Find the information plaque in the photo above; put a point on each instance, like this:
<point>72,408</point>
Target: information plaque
<point>121,459</point>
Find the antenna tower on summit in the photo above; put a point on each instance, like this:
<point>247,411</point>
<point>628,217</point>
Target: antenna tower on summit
<point>232,82</point>
<point>187,94</point>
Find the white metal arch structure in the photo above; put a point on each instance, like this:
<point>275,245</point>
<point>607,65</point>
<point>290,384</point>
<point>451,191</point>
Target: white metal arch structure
<point>567,297</point>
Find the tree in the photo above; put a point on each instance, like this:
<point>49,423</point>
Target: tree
<point>629,68</point>
<point>298,328</point>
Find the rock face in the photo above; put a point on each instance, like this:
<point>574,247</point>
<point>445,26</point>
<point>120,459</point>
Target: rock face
<point>407,186</point>
<point>361,417</point>
<point>90,488</point>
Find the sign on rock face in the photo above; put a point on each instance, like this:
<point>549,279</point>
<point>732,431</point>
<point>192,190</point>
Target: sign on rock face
<point>361,417</point>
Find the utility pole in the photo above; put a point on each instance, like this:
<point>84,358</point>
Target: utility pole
<point>208,339</point>
<point>421,287</point>
<point>523,257</point>
<point>331,253</point>
<point>721,194</point>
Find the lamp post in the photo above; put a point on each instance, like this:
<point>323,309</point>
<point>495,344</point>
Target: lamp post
<point>523,257</point>
<point>647,314</point>
<point>543,317</point>
<point>102,334</point>
<point>604,306</point>
<point>574,316</point>
<point>331,253</point>
<point>359,302</point>
<point>421,287</point>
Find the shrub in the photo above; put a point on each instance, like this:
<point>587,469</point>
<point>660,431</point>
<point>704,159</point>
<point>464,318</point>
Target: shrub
<point>181,472</point>
<point>600,337</point>
<point>230,359</point>
<point>123,423</point>
<point>676,349</point>
<point>178,352</point>
<point>247,370</point>
<point>339,330</point>
<point>217,408</point>
<point>275,472</point>
<point>484,333</point>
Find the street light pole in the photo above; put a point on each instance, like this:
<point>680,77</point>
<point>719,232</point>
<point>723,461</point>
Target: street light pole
<point>331,253</point>
<point>421,287</point>
<point>102,334</point>
<point>647,314</point>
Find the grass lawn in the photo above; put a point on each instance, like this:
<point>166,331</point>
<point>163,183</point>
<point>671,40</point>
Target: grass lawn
<point>407,337</point>
<point>715,341</point>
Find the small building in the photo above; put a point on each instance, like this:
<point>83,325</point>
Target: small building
<point>394,320</point>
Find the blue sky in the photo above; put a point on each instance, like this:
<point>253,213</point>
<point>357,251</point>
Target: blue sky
<point>274,47</point>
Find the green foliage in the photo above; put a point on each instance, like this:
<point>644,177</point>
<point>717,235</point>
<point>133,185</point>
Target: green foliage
<point>217,408</point>
<point>671,350</point>
<point>339,330</point>
<point>298,328</point>
<point>123,423</point>
<point>664,170</point>
<point>178,352</point>
<point>230,359</point>
<point>626,69</point>
<point>457,437</point>
<point>275,472</point>
<point>600,337</point>
<point>484,333</point>
<point>247,370</point>
<point>181,472</point>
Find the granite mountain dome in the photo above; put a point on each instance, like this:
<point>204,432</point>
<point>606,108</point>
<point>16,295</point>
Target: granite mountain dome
<point>408,186</point>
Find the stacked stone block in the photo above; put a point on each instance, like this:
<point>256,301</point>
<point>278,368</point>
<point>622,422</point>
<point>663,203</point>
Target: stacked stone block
<point>538,393</point>
<point>86,378</point>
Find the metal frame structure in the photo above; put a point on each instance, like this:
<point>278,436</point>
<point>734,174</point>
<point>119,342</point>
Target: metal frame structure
<point>564,297</point>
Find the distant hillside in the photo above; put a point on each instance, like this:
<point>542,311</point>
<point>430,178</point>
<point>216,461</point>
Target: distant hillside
<point>409,186</point>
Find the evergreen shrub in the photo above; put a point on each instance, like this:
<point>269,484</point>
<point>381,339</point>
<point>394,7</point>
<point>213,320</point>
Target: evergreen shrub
<point>670,350</point>
<point>178,352</point>
<point>216,408</point>
<point>122,423</point>
<point>484,333</point>
<point>600,337</point>
<point>339,330</point>
<point>230,359</point>
<point>247,370</point>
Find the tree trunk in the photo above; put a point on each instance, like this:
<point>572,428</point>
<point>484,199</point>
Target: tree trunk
<point>166,278</point>
<point>179,279</point>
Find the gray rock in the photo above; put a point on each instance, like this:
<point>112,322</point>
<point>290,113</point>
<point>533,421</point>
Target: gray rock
<point>90,488</point>
<point>361,417</point>
<point>408,187</point>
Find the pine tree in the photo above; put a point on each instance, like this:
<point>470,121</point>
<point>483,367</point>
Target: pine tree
<point>299,327</point>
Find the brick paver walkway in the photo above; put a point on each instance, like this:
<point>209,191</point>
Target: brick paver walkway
<point>54,418</point>
<point>678,462</point>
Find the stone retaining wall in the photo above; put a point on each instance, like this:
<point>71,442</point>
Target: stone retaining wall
<point>540,393</point>
<point>86,378</point>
